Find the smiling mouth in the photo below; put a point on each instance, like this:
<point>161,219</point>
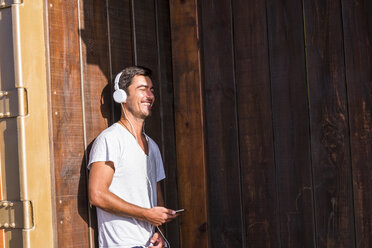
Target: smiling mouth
<point>147,104</point>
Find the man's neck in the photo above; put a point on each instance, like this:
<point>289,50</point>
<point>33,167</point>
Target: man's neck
<point>134,125</point>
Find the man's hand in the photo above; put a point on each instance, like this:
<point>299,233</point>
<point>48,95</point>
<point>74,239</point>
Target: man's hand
<point>159,215</point>
<point>157,240</point>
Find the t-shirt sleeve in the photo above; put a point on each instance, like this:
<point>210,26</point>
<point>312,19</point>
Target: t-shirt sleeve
<point>160,174</point>
<point>103,149</point>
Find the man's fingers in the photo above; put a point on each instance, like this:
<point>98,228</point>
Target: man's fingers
<point>154,238</point>
<point>172,216</point>
<point>157,241</point>
<point>171,212</point>
<point>160,215</point>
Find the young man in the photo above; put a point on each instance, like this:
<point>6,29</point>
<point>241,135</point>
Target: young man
<point>125,170</point>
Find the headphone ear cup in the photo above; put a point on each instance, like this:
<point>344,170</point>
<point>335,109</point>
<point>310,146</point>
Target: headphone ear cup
<point>120,96</point>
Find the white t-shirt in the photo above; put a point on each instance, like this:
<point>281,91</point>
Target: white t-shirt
<point>134,171</point>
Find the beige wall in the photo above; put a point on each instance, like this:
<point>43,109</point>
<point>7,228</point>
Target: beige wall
<point>25,146</point>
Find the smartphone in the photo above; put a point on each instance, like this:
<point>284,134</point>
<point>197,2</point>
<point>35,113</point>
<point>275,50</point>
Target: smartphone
<point>179,210</point>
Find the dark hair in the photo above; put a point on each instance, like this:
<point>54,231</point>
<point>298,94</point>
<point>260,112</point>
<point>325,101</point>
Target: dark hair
<point>128,74</point>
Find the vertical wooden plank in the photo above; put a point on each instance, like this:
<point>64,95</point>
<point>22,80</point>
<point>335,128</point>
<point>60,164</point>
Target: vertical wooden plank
<point>189,123</point>
<point>120,31</point>
<point>225,210</point>
<point>291,122</point>
<point>67,121</point>
<point>329,124</point>
<point>152,49</point>
<point>121,45</point>
<point>358,61</point>
<point>146,50</point>
<point>255,124</point>
<point>145,34</point>
<point>165,101</point>
<point>96,79</point>
<point>96,66</point>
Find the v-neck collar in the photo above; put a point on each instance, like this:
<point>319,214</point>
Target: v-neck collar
<point>135,141</point>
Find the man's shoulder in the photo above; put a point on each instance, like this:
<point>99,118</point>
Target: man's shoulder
<point>151,141</point>
<point>111,132</point>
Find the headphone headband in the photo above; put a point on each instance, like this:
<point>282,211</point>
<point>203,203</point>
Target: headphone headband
<point>119,94</point>
<point>116,82</point>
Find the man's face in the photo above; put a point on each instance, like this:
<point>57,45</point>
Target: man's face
<point>140,97</point>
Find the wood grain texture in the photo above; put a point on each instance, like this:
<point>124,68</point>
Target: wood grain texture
<point>120,29</point>
<point>291,123</point>
<point>165,101</point>
<point>255,124</point>
<point>329,125</point>
<point>96,78</point>
<point>146,54</point>
<point>189,124</point>
<point>71,221</point>
<point>67,122</point>
<point>224,194</point>
<point>106,33</point>
<point>121,46</point>
<point>96,66</point>
<point>357,25</point>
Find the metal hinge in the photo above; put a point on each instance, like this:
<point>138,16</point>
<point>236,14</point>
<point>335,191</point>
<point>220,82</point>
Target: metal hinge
<point>8,3</point>
<point>13,103</point>
<point>16,214</point>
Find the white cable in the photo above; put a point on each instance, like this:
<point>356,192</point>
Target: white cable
<point>161,233</point>
<point>151,195</point>
<point>152,205</point>
<point>134,130</point>
<point>135,136</point>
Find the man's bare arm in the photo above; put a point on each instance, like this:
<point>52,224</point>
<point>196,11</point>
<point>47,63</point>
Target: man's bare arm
<point>100,178</point>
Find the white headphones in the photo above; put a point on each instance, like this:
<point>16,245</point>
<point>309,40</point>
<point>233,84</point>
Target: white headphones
<point>120,96</point>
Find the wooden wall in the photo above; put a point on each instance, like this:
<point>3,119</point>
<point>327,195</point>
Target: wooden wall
<point>90,41</point>
<point>286,96</point>
<point>263,115</point>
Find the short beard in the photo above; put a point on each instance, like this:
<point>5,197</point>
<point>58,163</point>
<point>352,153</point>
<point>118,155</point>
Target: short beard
<point>142,116</point>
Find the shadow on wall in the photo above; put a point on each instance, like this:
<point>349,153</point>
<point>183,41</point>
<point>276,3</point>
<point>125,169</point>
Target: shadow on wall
<point>83,204</point>
<point>95,52</point>
<point>106,112</point>
<point>111,115</point>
